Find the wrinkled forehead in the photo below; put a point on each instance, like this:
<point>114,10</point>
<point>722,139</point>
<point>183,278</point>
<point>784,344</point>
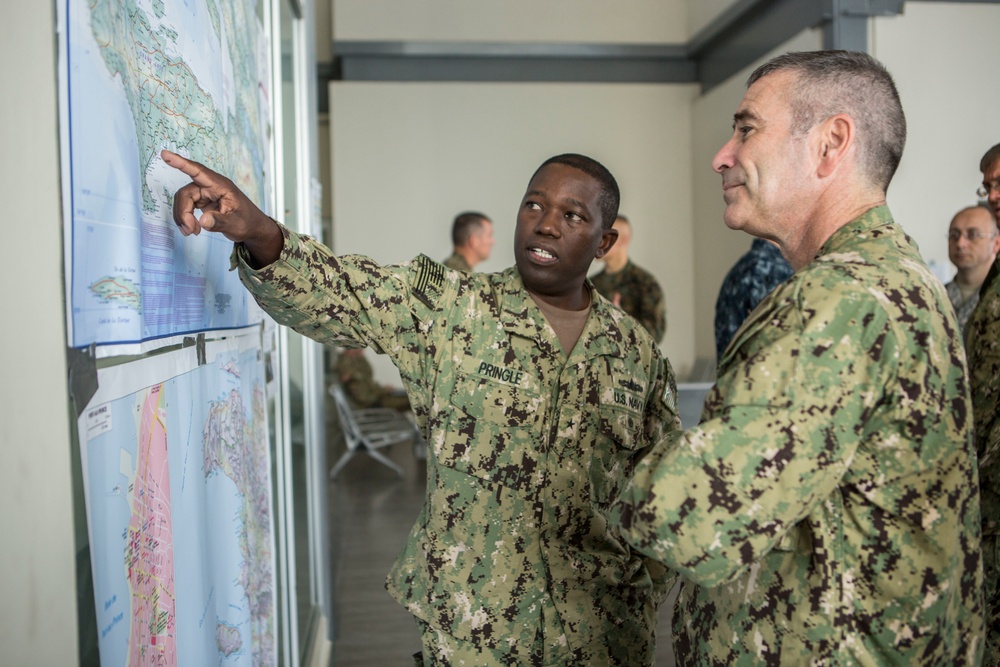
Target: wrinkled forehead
<point>769,94</point>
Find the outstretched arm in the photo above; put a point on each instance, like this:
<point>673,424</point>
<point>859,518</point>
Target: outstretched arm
<point>224,209</point>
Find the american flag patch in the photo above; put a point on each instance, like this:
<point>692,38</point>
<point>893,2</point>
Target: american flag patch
<point>430,278</point>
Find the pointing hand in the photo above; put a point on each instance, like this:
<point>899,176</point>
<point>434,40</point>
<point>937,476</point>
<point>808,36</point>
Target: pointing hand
<point>225,209</point>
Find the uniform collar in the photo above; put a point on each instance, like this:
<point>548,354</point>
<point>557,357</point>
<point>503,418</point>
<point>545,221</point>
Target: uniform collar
<point>601,335</point>
<point>871,223</point>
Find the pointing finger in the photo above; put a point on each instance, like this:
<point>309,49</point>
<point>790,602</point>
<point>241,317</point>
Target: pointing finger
<point>203,193</point>
<point>198,172</point>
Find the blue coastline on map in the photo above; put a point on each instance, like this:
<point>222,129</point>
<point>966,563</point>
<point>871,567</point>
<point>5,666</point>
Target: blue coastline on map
<point>207,511</point>
<point>109,517</point>
<point>208,586</point>
<point>133,278</point>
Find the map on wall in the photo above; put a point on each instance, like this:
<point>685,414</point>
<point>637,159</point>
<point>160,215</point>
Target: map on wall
<point>177,480</point>
<point>191,76</point>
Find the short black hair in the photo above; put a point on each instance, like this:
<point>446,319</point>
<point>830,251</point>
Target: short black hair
<point>465,225</point>
<point>610,196</point>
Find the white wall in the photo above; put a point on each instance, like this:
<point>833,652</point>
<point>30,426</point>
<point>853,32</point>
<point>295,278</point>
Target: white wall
<point>621,21</point>
<point>37,586</point>
<point>943,57</point>
<point>408,157</point>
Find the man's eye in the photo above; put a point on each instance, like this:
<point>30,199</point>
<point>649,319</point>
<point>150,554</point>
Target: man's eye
<point>576,217</point>
<point>532,205</point>
<point>744,130</point>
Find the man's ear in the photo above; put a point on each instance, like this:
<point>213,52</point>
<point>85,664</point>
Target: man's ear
<point>836,139</point>
<point>608,238</point>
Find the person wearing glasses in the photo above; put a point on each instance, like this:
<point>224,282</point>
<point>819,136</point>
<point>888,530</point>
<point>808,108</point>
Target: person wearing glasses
<point>982,342</point>
<point>973,242</point>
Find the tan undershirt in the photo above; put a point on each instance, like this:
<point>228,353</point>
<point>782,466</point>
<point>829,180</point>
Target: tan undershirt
<point>568,324</point>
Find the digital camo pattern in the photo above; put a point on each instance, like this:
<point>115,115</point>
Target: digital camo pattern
<point>983,346</point>
<point>640,296</point>
<point>753,276</point>
<point>457,262</point>
<point>826,509</point>
<point>963,309</point>
<point>527,448</point>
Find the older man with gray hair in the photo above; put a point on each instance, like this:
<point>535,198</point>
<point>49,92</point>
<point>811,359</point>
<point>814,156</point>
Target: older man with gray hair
<point>826,509</point>
<point>973,242</point>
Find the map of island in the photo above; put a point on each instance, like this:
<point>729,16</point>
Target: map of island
<point>118,289</point>
<point>178,489</point>
<point>143,75</point>
<point>148,548</point>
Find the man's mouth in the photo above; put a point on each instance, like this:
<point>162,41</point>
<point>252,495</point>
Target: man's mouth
<point>727,190</point>
<point>541,255</point>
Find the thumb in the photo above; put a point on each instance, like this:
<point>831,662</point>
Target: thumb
<point>219,222</point>
<point>208,220</point>
<point>230,225</point>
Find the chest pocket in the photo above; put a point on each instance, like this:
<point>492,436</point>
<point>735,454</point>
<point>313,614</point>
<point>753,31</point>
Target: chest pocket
<point>619,436</point>
<point>494,426</point>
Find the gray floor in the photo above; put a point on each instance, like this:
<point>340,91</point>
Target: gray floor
<point>371,511</point>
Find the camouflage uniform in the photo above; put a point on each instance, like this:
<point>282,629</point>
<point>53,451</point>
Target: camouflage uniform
<point>526,448</point>
<point>358,378</point>
<point>641,296</point>
<point>963,309</point>
<point>458,263</point>
<point>983,345</point>
<point>753,276</point>
<point>826,509</point>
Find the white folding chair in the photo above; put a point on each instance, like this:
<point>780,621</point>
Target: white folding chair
<point>369,430</point>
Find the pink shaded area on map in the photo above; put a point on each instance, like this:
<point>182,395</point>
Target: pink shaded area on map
<point>149,553</point>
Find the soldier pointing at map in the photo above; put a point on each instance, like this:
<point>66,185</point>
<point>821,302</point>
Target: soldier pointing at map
<point>537,399</point>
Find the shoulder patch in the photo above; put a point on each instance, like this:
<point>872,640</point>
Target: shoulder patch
<point>428,284</point>
<point>670,397</point>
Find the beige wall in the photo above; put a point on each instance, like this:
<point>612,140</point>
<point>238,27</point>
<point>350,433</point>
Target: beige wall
<point>942,56</point>
<point>621,21</point>
<point>703,12</point>
<point>37,561</point>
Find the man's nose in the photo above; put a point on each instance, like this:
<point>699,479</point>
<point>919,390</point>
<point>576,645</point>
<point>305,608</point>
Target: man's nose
<point>723,158</point>
<point>550,223</point>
